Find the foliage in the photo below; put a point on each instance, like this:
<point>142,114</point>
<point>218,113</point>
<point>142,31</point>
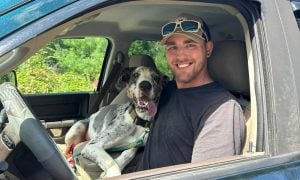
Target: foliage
<point>70,65</point>
<point>153,49</point>
<point>63,66</point>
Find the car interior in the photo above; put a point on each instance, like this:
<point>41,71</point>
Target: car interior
<point>231,63</point>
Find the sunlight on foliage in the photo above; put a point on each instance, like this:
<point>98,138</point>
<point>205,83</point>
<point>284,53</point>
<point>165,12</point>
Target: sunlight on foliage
<point>153,49</point>
<point>73,65</point>
<point>66,65</point>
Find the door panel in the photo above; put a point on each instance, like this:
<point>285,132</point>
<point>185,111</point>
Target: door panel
<point>58,112</point>
<point>53,107</point>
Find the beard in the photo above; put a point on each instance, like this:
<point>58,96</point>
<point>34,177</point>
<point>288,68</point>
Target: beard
<point>184,77</point>
<point>192,76</point>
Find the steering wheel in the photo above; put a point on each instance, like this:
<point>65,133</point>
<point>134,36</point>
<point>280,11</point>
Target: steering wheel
<point>32,133</point>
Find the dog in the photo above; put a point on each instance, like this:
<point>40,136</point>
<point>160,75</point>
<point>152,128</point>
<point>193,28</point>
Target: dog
<point>116,126</point>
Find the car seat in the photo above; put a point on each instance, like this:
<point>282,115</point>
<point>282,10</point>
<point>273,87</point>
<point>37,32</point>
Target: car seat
<point>229,66</point>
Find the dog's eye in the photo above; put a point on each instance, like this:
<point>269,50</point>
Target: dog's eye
<point>135,75</point>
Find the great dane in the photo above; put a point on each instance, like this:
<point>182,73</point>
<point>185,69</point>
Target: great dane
<point>115,126</point>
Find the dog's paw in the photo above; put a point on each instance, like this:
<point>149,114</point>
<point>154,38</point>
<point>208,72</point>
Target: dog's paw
<point>110,173</point>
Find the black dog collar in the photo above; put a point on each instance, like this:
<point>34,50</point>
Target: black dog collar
<point>137,120</point>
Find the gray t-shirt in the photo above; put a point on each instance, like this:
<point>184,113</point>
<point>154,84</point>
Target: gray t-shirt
<point>217,138</point>
<point>192,121</point>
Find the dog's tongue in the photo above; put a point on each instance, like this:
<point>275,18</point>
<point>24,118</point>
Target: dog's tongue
<point>152,109</point>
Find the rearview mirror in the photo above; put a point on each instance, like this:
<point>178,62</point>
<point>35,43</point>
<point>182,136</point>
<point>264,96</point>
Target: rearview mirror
<point>9,77</point>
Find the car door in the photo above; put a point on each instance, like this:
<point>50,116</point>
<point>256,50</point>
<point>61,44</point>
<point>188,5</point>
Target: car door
<point>274,58</point>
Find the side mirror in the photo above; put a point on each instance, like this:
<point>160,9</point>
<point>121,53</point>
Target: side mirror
<point>9,77</point>
<point>296,9</point>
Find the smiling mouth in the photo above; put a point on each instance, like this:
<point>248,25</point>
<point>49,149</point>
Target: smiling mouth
<point>183,65</point>
<point>145,104</point>
<point>142,103</point>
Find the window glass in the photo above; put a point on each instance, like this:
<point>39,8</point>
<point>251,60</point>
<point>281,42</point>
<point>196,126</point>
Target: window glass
<point>15,14</point>
<point>153,49</point>
<point>63,65</point>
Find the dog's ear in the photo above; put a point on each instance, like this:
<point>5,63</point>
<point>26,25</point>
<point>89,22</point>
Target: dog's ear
<point>126,73</point>
<point>164,80</point>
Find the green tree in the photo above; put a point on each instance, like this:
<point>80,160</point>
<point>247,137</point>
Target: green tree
<point>67,65</point>
<point>62,66</point>
<point>153,49</point>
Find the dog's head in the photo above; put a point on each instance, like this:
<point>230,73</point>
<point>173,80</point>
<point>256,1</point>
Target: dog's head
<point>144,86</point>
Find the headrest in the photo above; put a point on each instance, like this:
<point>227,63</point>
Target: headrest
<point>228,66</point>
<point>141,60</point>
<point>136,61</point>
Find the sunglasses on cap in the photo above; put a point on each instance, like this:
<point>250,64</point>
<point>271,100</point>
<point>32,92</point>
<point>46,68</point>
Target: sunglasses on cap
<point>189,26</point>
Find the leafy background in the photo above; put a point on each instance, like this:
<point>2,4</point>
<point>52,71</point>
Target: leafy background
<point>70,65</point>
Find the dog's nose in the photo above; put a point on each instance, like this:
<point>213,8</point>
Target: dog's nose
<point>145,86</point>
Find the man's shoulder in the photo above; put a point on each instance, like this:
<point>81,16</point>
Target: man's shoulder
<point>223,92</point>
<point>231,103</point>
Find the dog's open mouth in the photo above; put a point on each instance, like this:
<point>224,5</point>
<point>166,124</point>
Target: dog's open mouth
<point>145,104</point>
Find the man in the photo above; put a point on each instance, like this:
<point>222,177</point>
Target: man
<point>197,118</point>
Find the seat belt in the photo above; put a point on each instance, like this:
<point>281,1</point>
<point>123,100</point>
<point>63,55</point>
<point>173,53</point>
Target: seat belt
<point>111,79</point>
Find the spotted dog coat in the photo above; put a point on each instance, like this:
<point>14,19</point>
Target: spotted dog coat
<point>114,126</point>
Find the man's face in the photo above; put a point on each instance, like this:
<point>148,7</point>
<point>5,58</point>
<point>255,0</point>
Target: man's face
<point>187,60</point>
